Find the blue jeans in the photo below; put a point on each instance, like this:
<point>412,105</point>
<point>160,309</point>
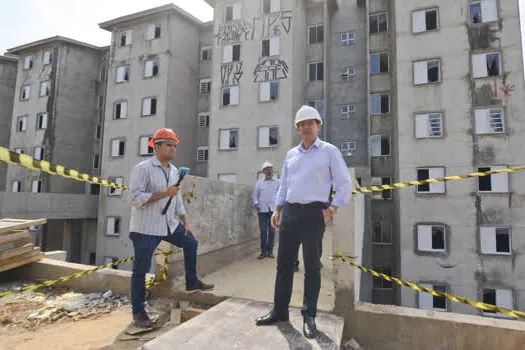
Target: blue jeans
<point>267,233</point>
<point>144,246</point>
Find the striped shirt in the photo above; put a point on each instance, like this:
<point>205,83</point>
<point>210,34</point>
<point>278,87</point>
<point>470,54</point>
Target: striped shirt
<point>264,194</point>
<point>147,178</point>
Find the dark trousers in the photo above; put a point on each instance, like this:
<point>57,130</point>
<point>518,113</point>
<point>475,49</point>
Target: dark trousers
<point>300,225</point>
<point>144,246</point>
<point>267,233</point>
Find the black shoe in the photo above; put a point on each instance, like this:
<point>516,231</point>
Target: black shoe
<point>200,286</point>
<point>141,320</point>
<point>270,318</point>
<point>271,256</point>
<point>309,327</point>
<point>262,256</point>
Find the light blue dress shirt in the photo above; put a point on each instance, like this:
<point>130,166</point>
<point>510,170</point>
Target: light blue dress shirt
<point>307,175</point>
<point>264,194</point>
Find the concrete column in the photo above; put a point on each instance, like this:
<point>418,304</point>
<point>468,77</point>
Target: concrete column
<point>348,231</point>
<point>66,240</point>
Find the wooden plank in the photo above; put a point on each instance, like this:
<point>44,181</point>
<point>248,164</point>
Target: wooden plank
<point>15,244</point>
<point>16,251</point>
<point>21,262</point>
<point>19,257</point>
<point>13,237</point>
<point>7,225</point>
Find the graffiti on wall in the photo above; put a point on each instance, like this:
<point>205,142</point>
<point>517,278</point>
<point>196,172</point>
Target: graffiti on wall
<point>270,69</point>
<point>231,73</point>
<point>271,25</point>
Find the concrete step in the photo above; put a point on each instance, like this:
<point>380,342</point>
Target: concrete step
<point>231,325</point>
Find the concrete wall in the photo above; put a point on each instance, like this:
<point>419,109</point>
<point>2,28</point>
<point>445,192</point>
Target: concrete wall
<point>221,216</point>
<point>462,209</point>
<point>47,205</point>
<point>8,69</point>
<point>396,328</point>
<point>251,114</point>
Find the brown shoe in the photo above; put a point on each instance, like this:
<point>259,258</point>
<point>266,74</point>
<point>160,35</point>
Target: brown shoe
<point>270,255</point>
<point>262,256</point>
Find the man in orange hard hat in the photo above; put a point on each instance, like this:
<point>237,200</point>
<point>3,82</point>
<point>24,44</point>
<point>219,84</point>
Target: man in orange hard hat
<point>152,184</point>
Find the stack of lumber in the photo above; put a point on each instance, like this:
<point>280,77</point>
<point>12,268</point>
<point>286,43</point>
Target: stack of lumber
<point>16,245</point>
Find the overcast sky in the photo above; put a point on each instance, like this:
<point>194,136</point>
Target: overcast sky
<point>24,21</point>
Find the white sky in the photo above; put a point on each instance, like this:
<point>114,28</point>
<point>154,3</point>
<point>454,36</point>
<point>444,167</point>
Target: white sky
<point>24,21</point>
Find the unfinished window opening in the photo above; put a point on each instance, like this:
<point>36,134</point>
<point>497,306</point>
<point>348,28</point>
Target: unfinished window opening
<point>424,20</point>
<point>431,173</point>
<point>495,240</point>
<point>268,136</point>
<point>120,110</point>
<point>384,194</point>
<point>498,183</point>
<point>228,139</point>
<point>206,53</point>
<point>428,301</point>
<point>379,63</point>
<point>117,147</point>
<point>379,104</point>
<point>431,238</point>
<point>486,65</point>
<point>115,191</point>
<point>149,106</point>
<point>427,72</point>
<point>113,226</point>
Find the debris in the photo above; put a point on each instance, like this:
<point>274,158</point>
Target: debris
<point>53,304</point>
<point>352,345</point>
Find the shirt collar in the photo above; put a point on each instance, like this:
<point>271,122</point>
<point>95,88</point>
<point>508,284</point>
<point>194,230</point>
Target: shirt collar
<point>316,144</point>
<point>157,162</point>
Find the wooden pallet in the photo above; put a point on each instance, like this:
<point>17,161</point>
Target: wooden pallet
<point>16,247</point>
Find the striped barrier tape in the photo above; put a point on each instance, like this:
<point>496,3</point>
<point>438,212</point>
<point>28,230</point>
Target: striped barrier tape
<point>43,165</point>
<point>151,282</point>
<point>477,304</point>
<point>440,179</point>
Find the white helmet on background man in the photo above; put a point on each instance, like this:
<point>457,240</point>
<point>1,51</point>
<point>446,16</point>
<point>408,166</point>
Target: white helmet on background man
<point>307,113</point>
<point>267,165</point>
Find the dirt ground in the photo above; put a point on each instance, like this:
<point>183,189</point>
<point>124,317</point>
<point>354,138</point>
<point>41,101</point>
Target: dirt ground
<point>84,334</point>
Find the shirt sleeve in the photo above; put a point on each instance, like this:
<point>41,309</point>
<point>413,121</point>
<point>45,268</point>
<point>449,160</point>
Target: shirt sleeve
<point>137,187</point>
<point>280,198</point>
<point>343,181</point>
<point>179,205</point>
<point>256,194</point>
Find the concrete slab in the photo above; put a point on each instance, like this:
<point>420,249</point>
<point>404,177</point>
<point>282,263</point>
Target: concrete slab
<point>255,279</point>
<point>231,325</point>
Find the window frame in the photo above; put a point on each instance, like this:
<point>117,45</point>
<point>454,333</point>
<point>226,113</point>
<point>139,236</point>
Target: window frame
<point>229,147</point>
<point>114,114</point>
<point>415,71</point>
<point>499,176</point>
<point>317,64</point>
<point>419,249</point>
<point>319,38</point>
<point>438,188</point>
<point>425,11</point>
<point>148,152</point>
<point>378,14</point>
<point>27,88</point>
<point>23,127</point>
<point>385,270</point>
<point>493,230</point>
<point>230,103</point>
<point>349,114</point>
<point>382,224</point>
<point>269,127</point>
<point>151,104</point>
<point>120,139</point>
<point>380,94</point>
<point>378,54</point>
<point>381,136</point>
<point>378,181</point>
<point>418,119</point>
<point>348,41</point>
<point>200,116</point>
<point>115,192</point>
<point>206,151</point>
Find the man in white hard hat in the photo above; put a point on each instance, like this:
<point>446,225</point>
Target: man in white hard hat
<point>264,203</point>
<point>302,210</point>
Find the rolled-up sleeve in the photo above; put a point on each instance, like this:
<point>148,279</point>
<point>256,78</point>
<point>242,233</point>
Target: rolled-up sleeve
<point>179,205</point>
<point>342,178</point>
<point>137,187</point>
<point>280,198</point>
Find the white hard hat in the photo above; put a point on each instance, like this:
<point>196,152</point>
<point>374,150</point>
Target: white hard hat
<point>266,165</point>
<point>307,113</point>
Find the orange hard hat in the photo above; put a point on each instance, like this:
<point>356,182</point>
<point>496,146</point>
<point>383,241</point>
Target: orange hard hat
<point>163,135</point>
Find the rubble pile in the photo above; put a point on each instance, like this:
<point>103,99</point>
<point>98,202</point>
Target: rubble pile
<point>32,309</point>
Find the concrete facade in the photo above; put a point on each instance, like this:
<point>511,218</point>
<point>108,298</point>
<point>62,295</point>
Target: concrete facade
<point>8,68</point>
<point>169,37</point>
<point>466,236</point>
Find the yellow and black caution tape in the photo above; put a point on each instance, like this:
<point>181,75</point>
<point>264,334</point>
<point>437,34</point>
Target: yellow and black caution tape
<point>477,304</point>
<point>42,165</point>
<point>149,284</point>
<point>440,179</point>
<point>190,196</point>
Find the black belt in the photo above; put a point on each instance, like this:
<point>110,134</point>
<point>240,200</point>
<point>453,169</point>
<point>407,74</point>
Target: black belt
<point>308,205</point>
